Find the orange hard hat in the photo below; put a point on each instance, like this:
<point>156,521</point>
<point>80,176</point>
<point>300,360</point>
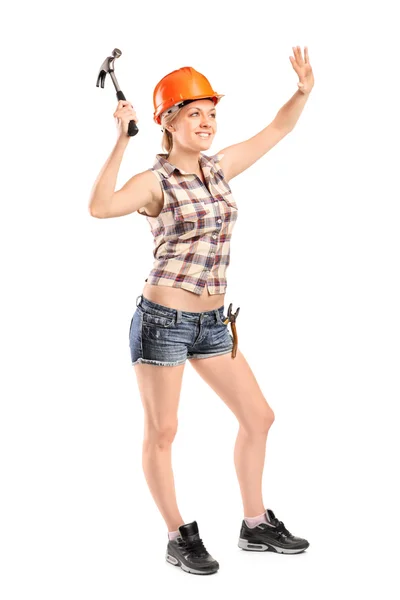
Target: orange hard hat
<point>179,88</point>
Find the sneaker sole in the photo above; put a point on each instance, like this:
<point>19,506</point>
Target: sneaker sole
<point>246,545</point>
<point>177,563</point>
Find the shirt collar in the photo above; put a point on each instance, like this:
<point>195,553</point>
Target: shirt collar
<point>163,164</point>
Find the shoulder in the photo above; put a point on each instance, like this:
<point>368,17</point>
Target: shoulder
<point>152,179</point>
<point>220,164</point>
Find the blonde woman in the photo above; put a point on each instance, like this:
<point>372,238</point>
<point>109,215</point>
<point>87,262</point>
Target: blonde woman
<point>179,316</point>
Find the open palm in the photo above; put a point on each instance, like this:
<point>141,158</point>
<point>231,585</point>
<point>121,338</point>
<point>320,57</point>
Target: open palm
<point>303,69</point>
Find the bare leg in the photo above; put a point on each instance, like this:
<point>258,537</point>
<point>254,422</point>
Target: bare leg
<point>160,389</point>
<point>249,457</point>
<point>236,385</point>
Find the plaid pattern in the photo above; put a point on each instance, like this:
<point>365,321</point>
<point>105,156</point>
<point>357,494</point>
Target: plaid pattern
<point>193,231</point>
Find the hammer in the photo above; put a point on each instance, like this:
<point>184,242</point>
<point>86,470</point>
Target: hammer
<point>108,67</point>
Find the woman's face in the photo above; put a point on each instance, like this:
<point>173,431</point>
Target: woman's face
<point>196,117</point>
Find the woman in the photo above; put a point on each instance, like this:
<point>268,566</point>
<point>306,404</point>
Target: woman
<point>189,206</point>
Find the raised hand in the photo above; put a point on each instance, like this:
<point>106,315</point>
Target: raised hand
<point>303,69</point>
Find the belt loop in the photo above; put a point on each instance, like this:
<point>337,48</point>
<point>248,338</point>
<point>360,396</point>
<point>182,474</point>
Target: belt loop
<point>216,312</point>
<point>178,316</point>
<point>140,296</point>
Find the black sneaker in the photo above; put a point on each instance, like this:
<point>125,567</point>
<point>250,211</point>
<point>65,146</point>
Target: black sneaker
<point>263,537</point>
<point>188,552</point>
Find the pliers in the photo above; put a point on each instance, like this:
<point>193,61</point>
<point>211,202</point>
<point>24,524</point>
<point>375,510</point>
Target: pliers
<point>232,320</point>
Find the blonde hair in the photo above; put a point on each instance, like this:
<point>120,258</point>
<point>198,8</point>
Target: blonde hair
<point>168,119</point>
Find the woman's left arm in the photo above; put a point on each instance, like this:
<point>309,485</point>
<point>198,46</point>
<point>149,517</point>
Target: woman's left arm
<point>239,157</point>
<point>290,112</point>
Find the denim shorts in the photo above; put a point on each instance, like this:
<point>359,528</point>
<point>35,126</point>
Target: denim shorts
<point>159,335</point>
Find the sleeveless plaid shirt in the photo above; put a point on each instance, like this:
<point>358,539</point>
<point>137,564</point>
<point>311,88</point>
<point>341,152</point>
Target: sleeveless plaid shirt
<point>192,233</point>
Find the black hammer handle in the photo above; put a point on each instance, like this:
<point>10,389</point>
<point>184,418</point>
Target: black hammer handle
<point>132,127</point>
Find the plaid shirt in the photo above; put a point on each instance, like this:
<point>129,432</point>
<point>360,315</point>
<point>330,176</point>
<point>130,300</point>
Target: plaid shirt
<point>193,231</point>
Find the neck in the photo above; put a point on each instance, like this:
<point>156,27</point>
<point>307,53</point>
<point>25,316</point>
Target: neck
<point>186,161</point>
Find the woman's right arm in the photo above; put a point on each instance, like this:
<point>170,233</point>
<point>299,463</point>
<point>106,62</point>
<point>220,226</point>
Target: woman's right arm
<point>104,186</point>
<point>141,190</point>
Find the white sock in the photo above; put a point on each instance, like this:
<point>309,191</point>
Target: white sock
<point>172,535</point>
<point>254,521</point>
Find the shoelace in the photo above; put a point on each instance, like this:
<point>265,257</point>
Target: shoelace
<point>196,546</point>
<point>282,529</point>
<point>279,527</point>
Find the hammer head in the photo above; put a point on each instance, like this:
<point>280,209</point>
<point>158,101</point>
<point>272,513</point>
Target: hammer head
<point>107,67</point>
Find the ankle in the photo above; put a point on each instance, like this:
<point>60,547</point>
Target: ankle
<point>172,535</point>
<point>254,521</point>
<point>174,527</point>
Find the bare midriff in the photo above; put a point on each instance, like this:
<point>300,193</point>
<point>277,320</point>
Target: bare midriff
<point>182,299</point>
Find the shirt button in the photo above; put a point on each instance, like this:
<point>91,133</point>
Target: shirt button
<point>219,221</point>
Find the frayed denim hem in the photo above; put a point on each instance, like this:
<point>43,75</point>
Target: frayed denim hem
<point>158,362</point>
<point>197,356</point>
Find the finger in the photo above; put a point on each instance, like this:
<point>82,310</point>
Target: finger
<point>128,106</point>
<point>300,59</point>
<point>128,112</point>
<point>129,109</point>
<point>294,64</point>
<point>124,109</point>
<point>306,57</point>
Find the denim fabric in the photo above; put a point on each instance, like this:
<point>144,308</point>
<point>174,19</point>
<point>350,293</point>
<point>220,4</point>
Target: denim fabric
<point>160,335</point>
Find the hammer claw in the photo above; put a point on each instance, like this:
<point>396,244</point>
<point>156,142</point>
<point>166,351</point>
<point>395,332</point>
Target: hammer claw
<point>101,78</point>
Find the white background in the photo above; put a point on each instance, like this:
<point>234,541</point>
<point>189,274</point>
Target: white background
<point>315,271</point>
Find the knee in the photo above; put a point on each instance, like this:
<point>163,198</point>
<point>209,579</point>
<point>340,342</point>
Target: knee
<point>261,423</point>
<point>266,420</point>
<point>161,436</point>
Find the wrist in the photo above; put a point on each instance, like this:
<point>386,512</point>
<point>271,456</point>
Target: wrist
<point>123,139</point>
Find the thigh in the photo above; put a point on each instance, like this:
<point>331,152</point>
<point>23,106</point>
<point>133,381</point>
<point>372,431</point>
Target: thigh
<point>235,383</point>
<point>160,389</point>
<point>158,356</point>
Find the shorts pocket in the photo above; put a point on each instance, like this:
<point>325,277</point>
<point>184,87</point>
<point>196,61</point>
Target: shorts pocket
<point>154,320</point>
<point>221,319</point>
